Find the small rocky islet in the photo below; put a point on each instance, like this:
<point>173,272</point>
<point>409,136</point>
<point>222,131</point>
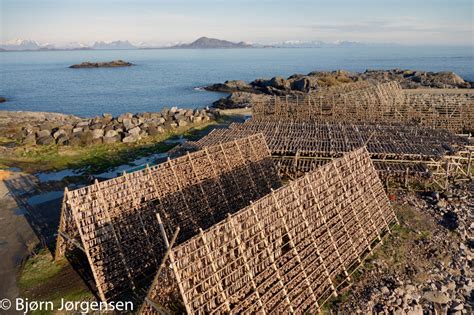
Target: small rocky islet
<point>108,64</point>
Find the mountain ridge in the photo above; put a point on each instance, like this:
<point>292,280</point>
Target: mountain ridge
<point>200,43</point>
<point>211,43</point>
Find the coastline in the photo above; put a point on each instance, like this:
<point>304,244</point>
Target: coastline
<point>33,183</point>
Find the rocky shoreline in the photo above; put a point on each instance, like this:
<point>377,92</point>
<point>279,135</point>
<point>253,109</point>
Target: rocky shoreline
<point>427,265</point>
<point>109,64</point>
<point>37,128</point>
<point>241,92</point>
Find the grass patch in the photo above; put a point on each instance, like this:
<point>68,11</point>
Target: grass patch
<point>38,269</point>
<point>42,279</point>
<point>94,158</point>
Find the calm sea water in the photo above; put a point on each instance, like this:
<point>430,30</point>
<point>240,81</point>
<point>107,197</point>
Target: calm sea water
<point>42,81</point>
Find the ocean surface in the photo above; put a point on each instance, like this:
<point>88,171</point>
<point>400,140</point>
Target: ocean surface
<point>42,81</point>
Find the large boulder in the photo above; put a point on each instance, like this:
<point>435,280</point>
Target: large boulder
<point>450,79</point>
<point>436,297</point>
<point>110,133</point>
<point>130,139</point>
<point>134,131</point>
<point>58,133</point>
<point>124,116</point>
<point>106,118</point>
<point>302,85</point>
<point>46,140</point>
<point>240,100</point>
<point>277,82</point>
<point>160,121</point>
<point>97,126</point>
<point>97,133</point>
<point>82,123</point>
<point>182,123</point>
<point>43,133</point>
<point>230,86</point>
<point>155,130</point>
<point>127,123</point>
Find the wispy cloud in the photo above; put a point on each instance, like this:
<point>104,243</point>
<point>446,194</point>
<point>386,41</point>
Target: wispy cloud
<point>404,24</point>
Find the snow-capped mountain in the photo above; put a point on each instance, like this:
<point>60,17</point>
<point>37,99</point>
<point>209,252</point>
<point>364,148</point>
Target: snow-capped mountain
<point>119,44</point>
<point>299,44</point>
<point>21,44</point>
<point>315,44</point>
<point>72,45</point>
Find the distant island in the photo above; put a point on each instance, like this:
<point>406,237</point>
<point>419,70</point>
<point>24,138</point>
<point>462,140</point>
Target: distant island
<point>209,43</point>
<point>109,64</point>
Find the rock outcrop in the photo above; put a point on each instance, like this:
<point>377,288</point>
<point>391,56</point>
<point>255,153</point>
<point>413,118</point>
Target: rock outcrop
<point>239,100</point>
<point>304,83</point>
<point>110,64</point>
<point>50,128</point>
<point>2,99</point>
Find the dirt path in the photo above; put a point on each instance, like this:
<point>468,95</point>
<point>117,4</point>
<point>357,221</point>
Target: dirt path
<point>16,239</point>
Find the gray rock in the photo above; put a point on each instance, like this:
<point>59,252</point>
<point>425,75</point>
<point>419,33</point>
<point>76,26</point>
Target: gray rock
<point>67,127</point>
<point>96,126</point>
<point>155,130</point>
<point>107,118</point>
<point>59,133</point>
<point>303,85</point>
<point>77,129</point>
<point>127,124</point>
<point>82,123</point>
<point>436,297</point>
<point>63,140</point>
<point>97,133</point>
<point>174,109</point>
<point>134,131</point>
<point>230,86</point>
<point>165,112</point>
<point>182,123</point>
<point>276,82</point>
<point>457,306</point>
<point>46,140</point>
<point>43,133</point>
<point>124,116</point>
<point>160,121</point>
<point>110,134</point>
<point>113,139</point>
<point>130,139</point>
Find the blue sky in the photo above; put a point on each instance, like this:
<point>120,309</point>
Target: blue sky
<point>399,21</point>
